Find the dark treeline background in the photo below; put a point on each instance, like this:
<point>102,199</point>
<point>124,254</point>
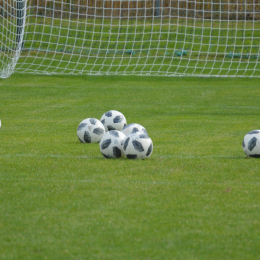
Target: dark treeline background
<point>207,9</point>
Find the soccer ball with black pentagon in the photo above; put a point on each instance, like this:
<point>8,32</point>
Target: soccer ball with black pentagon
<point>133,128</point>
<point>138,146</point>
<point>111,144</point>
<point>113,120</point>
<point>90,130</point>
<point>251,144</point>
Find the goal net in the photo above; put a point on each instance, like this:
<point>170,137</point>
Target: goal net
<point>218,38</point>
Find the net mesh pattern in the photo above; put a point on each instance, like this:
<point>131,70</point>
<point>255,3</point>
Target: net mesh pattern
<point>130,37</point>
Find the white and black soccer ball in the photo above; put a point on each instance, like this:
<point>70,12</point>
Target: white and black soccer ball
<point>251,144</point>
<point>113,120</point>
<point>138,146</point>
<point>133,128</point>
<point>111,144</point>
<point>90,130</point>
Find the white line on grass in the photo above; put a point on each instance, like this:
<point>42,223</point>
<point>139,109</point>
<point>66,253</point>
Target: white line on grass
<point>58,156</point>
<point>198,156</point>
<point>136,181</point>
<point>53,106</point>
<point>47,156</point>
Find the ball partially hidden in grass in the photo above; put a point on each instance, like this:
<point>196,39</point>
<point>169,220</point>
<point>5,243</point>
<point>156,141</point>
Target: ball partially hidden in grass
<point>251,144</point>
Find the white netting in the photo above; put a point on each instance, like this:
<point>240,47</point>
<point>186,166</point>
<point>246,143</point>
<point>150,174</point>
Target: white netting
<point>140,37</point>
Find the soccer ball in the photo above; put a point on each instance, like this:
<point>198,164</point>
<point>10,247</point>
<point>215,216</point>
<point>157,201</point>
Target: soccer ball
<point>251,144</point>
<point>133,128</point>
<point>111,144</point>
<point>138,146</point>
<point>113,120</point>
<point>90,130</point>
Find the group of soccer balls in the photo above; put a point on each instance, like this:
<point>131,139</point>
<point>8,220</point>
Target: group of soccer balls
<point>116,139</point>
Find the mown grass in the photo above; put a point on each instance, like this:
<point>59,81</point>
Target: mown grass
<point>197,197</point>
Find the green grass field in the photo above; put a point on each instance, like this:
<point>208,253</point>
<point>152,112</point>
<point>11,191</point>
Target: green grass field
<point>197,197</point>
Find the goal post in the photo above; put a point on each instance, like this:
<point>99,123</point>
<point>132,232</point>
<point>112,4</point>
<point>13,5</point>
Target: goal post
<point>210,38</point>
<point>20,11</point>
<point>12,24</point>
